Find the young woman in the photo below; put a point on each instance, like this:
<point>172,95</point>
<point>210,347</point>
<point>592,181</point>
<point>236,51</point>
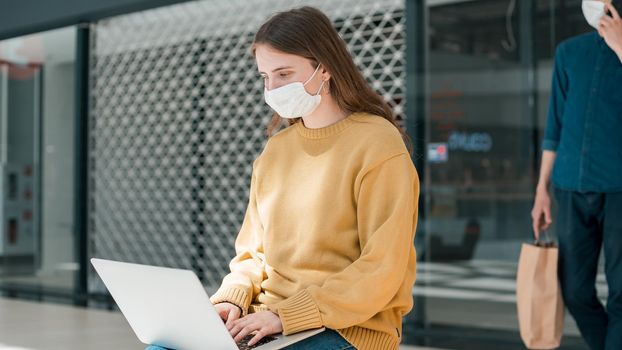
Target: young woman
<point>327,240</point>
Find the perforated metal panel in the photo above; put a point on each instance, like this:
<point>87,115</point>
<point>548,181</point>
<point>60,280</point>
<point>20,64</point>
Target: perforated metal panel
<point>178,117</point>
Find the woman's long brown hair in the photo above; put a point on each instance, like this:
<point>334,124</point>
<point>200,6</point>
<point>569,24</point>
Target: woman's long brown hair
<point>307,32</point>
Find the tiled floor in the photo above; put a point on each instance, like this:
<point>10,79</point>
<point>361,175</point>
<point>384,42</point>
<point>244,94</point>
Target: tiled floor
<point>43,326</point>
<point>38,326</point>
<point>477,293</point>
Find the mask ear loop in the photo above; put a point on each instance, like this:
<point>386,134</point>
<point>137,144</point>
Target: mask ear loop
<point>320,89</point>
<point>312,75</point>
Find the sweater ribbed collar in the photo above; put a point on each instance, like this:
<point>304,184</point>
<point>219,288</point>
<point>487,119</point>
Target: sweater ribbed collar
<point>326,131</point>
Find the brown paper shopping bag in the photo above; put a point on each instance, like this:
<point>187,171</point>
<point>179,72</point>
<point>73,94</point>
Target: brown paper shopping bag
<point>538,297</point>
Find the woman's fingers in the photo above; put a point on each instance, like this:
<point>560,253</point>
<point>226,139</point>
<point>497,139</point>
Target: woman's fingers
<point>235,326</point>
<point>248,329</point>
<point>242,325</point>
<point>258,336</point>
<point>223,313</point>
<point>228,312</point>
<point>232,315</point>
<point>260,324</point>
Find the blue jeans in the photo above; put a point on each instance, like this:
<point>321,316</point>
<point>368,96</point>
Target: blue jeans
<point>585,222</point>
<point>327,340</point>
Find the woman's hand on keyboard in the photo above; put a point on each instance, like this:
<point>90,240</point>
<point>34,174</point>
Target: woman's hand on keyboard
<point>264,323</point>
<point>228,312</point>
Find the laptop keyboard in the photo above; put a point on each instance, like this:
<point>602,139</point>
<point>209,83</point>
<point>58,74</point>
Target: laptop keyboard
<point>243,344</point>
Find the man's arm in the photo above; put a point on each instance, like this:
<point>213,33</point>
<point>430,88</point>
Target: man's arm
<point>541,213</point>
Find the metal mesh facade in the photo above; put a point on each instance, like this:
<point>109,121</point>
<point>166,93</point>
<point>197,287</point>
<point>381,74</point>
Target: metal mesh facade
<point>177,118</point>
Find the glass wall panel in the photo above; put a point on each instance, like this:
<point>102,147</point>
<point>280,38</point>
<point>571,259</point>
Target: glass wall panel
<point>37,160</point>
<point>489,71</point>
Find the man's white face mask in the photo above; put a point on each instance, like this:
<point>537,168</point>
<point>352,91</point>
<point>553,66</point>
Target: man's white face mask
<point>593,11</point>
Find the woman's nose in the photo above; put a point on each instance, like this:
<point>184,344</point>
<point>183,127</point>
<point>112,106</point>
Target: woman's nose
<point>271,84</point>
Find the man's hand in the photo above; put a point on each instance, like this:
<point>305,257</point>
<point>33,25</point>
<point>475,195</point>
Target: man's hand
<point>264,323</point>
<point>610,29</point>
<point>228,312</point>
<point>541,212</point>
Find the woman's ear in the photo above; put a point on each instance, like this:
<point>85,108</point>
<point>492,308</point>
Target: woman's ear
<point>325,74</point>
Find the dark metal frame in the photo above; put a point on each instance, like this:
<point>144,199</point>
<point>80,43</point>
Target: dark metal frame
<point>416,114</point>
<point>81,162</point>
<point>40,161</point>
<point>32,16</point>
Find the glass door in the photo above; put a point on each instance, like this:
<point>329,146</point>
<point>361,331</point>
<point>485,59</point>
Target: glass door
<point>37,103</point>
<point>488,75</point>
<point>20,167</point>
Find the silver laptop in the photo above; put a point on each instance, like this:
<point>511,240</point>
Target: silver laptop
<point>170,308</point>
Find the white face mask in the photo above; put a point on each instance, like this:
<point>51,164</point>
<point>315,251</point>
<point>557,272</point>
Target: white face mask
<point>292,100</point>
<point>593,11</point>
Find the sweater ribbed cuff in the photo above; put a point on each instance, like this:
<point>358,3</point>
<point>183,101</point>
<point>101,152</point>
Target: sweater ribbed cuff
<point>233,295</point>
<point>298,313</point>
<point>365,338</point>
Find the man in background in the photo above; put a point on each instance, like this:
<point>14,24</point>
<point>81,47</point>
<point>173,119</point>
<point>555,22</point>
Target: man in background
<point>582,158</point>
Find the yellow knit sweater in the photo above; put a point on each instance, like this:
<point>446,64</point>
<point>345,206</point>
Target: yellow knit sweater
<point>327,240</point>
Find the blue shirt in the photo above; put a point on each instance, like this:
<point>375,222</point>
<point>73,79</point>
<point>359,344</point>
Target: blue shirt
<point>584,123</point>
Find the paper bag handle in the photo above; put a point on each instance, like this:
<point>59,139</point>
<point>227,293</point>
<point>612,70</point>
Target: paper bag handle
<point>546,243</point>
